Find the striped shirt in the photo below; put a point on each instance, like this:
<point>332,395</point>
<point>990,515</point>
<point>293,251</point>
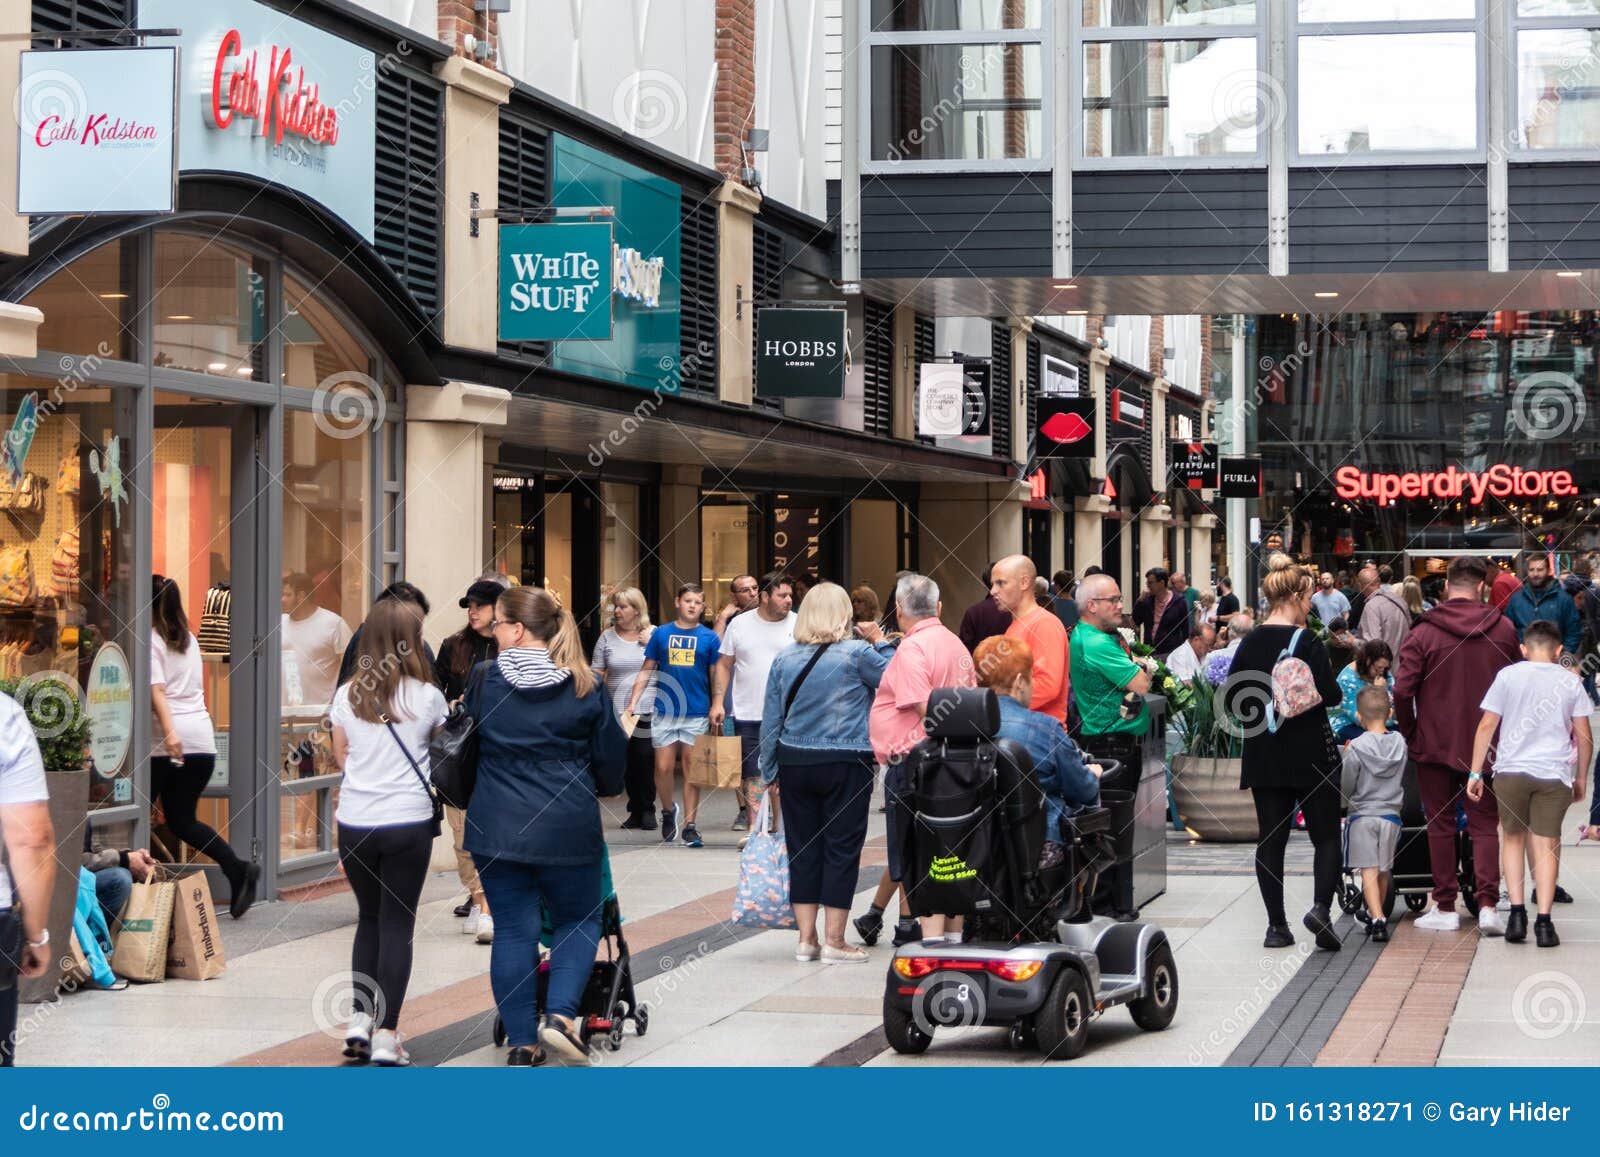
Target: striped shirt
<point>526,667</point>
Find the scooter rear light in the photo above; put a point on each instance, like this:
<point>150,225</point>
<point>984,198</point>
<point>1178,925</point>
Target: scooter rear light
<point>1016,969</point>
<point>915,967</point>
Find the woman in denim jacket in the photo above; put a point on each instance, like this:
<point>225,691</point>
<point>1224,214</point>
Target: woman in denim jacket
<point>817,747</point>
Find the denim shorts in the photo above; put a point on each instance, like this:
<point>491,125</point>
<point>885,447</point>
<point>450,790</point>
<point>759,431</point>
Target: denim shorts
<point>665,731</point>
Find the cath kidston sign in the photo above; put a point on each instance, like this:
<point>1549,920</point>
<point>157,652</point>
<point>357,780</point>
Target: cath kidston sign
<point>96,131</point>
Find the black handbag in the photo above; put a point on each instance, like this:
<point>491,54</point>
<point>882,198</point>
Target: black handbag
<point>453,754</point>
<point>433,794</point>
<point>12,938</point>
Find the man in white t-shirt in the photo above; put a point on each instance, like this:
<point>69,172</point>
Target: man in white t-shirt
<point>29,873</point>
<point>750,643</point>
<point>314,639</point>
<point>1541,760</point>
<point>1187,661</point>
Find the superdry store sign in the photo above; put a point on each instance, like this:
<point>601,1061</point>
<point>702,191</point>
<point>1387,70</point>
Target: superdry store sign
<point>96,131</point>
<point>272,97</point>
<point>1499,481</point>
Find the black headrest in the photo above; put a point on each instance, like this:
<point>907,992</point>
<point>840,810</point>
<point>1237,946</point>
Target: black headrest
<point>963,713</point>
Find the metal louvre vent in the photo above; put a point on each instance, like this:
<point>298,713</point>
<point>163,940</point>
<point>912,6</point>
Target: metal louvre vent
<point>1000,389</point>
<point>409,181</point>
<point>877,364</point>
<point>1035,350</point>
<point>524,184</point>
<point>766,287</point>
<point>922,350</point>
<point>697,274</point>
<point>61,15</point>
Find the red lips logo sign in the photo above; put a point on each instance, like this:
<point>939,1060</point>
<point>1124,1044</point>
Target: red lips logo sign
<point>1065,429</point>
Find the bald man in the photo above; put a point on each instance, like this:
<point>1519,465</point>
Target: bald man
<point>1011,585</point>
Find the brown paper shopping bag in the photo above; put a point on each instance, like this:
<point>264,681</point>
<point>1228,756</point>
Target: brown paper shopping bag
<point>141,948</point>
<point>715,761</point>
<point>195,949</point>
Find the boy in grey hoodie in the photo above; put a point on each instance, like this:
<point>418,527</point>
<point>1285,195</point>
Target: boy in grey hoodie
<point>1373,792</point>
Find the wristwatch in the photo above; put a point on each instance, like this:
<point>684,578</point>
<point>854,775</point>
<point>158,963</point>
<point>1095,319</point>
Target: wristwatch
<point>1474,775</point>
<point>42,941</point>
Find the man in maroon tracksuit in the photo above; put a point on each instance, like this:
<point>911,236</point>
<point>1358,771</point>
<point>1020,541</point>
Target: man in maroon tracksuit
<point>1446,665</point>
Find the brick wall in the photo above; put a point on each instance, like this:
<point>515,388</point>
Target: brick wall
<point>1205,356</point>
<point>1094,326</point>
<point>736,83</point>
<point>457,21</point>
<point>1158,344</point>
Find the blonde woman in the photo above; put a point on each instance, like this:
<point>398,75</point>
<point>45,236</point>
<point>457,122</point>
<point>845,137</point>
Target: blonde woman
<point>1411,594</point>
<point>619,661</point>
<point>548,743</point>
<point>814,742</point>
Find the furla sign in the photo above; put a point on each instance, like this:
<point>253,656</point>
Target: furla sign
<point>800,353</point>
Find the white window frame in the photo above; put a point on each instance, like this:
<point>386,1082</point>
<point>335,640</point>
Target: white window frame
<point>1519,24</point>
<point>868,39</point>
<point>1388,157</point>
<point>1081,37</point>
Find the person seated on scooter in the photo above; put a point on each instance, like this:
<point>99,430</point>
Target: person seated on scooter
<point>1005,666</point>
<point>1374,790</point>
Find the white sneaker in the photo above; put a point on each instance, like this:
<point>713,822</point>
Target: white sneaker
<point>358,1037</point>
<point>469,926</point>
<point>1490,923</point>
<point>1434,920</point>
<point>387,1049</point>
<point>486,929</point>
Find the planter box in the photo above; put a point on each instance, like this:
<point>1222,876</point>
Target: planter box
<point>1206,793</point>
<point>69,810</point>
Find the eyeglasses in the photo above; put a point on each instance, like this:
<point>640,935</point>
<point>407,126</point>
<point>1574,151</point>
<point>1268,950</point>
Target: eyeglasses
<point>1105,599</point>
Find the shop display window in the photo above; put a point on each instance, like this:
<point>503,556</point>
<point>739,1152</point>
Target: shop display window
<point>209,314</point>
<point>88,306</point>
<point>66,556</point>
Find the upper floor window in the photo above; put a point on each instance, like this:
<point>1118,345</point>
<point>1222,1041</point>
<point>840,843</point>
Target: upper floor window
<point>1171,79</point>
<point>1557,76</point>
<point>956,84</point>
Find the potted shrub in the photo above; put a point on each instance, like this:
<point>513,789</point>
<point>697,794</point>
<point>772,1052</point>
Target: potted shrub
<point>55,708</point>
<point>1205,774</point>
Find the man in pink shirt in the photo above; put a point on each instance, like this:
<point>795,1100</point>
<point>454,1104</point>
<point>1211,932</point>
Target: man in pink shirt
<point>929,656</point>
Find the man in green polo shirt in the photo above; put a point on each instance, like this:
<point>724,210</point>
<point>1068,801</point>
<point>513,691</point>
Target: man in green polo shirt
<point>1102,670</point>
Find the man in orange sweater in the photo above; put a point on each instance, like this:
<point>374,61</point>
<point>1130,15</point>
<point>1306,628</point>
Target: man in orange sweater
<point>1011,585</point>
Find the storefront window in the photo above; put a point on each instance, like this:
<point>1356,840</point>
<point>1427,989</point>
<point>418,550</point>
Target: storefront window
<point>88,307</point>
<point>517,523</point>
<point>727,546</point>
<point>210,308</point>
<point>619,540</point>
<point>318,350</point>
<point>67,586</point>
<point>557,577</point>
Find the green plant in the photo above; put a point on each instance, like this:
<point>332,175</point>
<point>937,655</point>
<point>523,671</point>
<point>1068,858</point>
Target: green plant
<point>1201,722</point>
<point>55,710</point>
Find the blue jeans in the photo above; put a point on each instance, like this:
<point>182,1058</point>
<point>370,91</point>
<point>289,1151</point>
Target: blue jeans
<point>572,893</point>
<point>8,1025</point>
<point>112,887</point>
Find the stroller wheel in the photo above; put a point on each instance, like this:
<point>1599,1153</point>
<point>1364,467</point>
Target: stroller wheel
<point>499,1033</point>
<point>1349,898</point>
<point>641,1020</point>
<point>1416,901</point>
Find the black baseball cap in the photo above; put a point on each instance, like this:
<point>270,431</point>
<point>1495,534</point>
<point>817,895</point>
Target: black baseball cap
<point>483,592</point>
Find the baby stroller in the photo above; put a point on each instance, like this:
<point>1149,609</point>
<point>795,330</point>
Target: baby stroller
<point>1412,879</point>
<point>608,999</point>
<point>1033,959</point>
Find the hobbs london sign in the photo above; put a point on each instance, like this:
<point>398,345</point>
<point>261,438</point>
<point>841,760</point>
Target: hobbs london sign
<point>800,353</point>
<point>555,282</point>
<point>96,131</point>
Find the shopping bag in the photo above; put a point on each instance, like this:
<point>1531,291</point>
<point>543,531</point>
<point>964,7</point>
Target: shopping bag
<point>141,952</point>
<point>762,899</point>
<point>716,761</point>
<point>194,951</point>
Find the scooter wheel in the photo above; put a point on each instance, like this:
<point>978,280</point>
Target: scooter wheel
<point>1023,1035</point>
<point>1155,1009</point>
<point>1062,1025</point>
<point>901,1030</point>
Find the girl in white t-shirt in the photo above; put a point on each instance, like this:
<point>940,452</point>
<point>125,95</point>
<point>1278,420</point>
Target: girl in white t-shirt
<point>185,751</point>
<point>382,721</point>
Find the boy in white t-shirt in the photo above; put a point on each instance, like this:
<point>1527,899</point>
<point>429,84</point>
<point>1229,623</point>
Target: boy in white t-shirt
<point>1542,714</point>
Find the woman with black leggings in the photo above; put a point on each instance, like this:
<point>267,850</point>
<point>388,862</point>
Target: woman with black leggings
<point>382,721</point>
<point>185,753</point>
<point>1294,766</point>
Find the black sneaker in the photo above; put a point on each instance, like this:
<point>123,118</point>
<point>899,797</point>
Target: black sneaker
<point>245,894</point>
<point>1278,936</point>
<point>1318,924</point>
<point>907,931</point>
<point>524,1057</point>
<point>463,909</point>
<point>1378,930</point>
<point>635,823</point>
<point>669,824</point>
<point>1517,925</point>
<point>691,837</point>
<point>1544,933</point>
<point>869,927</point>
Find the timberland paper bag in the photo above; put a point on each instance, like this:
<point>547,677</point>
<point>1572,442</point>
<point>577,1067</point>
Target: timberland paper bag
<point>195,950</point>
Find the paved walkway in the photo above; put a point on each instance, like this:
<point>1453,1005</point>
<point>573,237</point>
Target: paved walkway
<point>720,995</point>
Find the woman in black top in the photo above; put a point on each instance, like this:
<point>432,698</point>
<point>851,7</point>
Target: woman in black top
<point>1295,765</point>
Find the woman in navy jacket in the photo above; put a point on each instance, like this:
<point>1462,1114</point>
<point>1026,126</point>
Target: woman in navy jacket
<point>548,743</point>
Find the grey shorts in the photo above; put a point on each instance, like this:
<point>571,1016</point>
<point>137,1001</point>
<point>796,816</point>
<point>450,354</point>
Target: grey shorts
<point>1370,842</point>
